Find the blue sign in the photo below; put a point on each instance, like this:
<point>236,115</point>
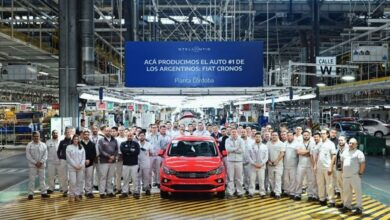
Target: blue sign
<point>194,64</point>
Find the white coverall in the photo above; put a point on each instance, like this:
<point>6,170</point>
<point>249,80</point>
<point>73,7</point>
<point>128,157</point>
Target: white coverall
<point>235,149</point>
<point>275,172</point>
<point>257,154</point>
<point>36,152</point>
<point>290,167</point>
<point>75,157</point>
<point>53,163</point>
<point>324,181</point>
<point>144,177</point>
<point>305,169</point>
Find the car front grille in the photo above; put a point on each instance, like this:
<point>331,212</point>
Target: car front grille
<point>192,175</point>
<point>192,187</point>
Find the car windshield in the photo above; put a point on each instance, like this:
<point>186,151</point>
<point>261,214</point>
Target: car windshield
<point>352,127</point>
<point>192,149</point>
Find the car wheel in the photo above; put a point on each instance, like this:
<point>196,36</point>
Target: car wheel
<point>378,134</point>
<point>164,195</point>
<point>221,194</point>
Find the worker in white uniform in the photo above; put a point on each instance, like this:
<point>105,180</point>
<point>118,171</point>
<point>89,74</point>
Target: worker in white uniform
<point>144,177</point>
<point>305,169</point>
<point>341,147</point>
<point>53,162</point>
<point>155,161</point>
<point>290,166</point>
<point>235,148</point>
<point>298,134</point>
<point>324,166</point>
<point>75,157</point>
<point>354,164</point>
<point>119,163</point>
<point>201,131</point>
<point>246,167</point>
<point>257,155</point>
<point>36,154</point>
<point>276,151</point>
<point>313,156</point>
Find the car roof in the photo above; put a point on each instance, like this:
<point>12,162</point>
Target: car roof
<point>194,138</point>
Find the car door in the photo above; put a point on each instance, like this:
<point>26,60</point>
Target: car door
<point>370,126</point>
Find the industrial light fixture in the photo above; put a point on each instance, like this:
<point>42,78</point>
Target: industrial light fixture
<point>320,84</point>
<point>348,77</point>
<point>43,73</point>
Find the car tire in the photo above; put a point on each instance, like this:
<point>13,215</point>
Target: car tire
<point>221,194</point>
<point>164,195</point>
<point>378,134</point>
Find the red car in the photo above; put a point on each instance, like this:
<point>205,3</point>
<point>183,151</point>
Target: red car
<point>192,164</point>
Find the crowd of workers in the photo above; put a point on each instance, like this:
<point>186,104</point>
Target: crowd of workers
<point>281,163</point>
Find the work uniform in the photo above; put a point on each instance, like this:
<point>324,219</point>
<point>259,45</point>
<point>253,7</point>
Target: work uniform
<point>314,155</point>
<point>335,140</point>
<point>305,170</point>
<point>246,166</point>
<point>144,176</point>
<point>96,179</point>
<point>257,153</point>
<point>275,172</point>
<point>339,169</point>
<point>130,151</point>
<point>202,133</point>
<point>90,154</point>
<point>324,181</point>
<point>63,171</point>
<point>351,179</point>
<point>107,147</point>
<point>36,152</point>
<point>75,156</point>
<point>155,160</point>
<point>53,163</point>
<point>235,149</point>
<point>290,167</point>
<point>119,164</point>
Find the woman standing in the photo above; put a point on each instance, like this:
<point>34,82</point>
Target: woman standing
<point>75,157</point>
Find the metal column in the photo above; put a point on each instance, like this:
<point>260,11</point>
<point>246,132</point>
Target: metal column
<point>86,30</point>
<point>315,103</point>
<point>63,58</point>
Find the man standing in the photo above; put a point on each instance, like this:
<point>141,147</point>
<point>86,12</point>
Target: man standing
<point>216,135</point>
<point>155,160</point>
<point>354,164</point>
<point>36,154</point>
<point>276,151</point>
<point>200,131</point>
<point>339,168</point>
<point>108,150</point>
<point>130,150</point>
<point>235,149</point>
<point>325,162</point>
<point>164,137</point>
<point>119,163</point>
<point>144,164</point>
<point>61,153</point>
<point>53,163</point>
<point>258,157</point>
<point>335,140</point>
<point>305,169</point>
<point>290,166</point>
<point>266,137</point>
<point>94,139</point>
<point>247,144</point>
<point>90,155</point>
<point>298,134</point>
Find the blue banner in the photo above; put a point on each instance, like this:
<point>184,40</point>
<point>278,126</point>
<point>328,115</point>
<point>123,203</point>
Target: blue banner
<point>194,64</point>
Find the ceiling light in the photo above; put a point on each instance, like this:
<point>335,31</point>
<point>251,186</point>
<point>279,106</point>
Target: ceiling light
<point>348,78</point>
<point>43,73</point>
<point>321,84</point>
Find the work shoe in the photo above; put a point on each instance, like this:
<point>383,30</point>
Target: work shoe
<point>147,192</point>
<point>262,196</point>
<point>111,195</point>
<point>239,196</point>
<point>123,196</point>
<point>102,196</point>
<point>345,210</point>
<point>228,197</point>
<point>331,205</point>
<point>80,197</point>
<point>90,195</point>
<point>49,191</point>
<point>250,196</point>
<point>30,197</point>
<point>323,203</point>
<point>136,195</point>
<point>277,197</point>
<point>65,194</point>
<point>340,206</point>
<point>310,199</point>
<point>358,211</point>
<point>297,198</point>
<point>45,196</point>
<point>285,195</point>
<point>338,195</point>
<point>272,194</point>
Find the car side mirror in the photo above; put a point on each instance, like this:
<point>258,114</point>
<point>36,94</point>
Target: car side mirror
<point>161,153</point>
<point>224,153</point>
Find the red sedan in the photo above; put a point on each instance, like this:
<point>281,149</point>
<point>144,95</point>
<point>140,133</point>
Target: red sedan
<point>192,164</point>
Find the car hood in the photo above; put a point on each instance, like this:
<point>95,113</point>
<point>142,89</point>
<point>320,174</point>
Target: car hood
<point>192,164</point>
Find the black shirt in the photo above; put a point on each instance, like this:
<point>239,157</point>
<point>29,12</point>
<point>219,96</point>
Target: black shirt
<point>130,151</point>
<point>61,152</point>
<point>90,152</point>
<point>222,143</point>
<point>335,140</point>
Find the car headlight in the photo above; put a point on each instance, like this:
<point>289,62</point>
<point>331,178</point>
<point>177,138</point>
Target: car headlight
<point>219,170</point>
<point>168,171</point>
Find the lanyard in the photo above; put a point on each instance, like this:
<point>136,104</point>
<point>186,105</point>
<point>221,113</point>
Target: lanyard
<point>306,146</point>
